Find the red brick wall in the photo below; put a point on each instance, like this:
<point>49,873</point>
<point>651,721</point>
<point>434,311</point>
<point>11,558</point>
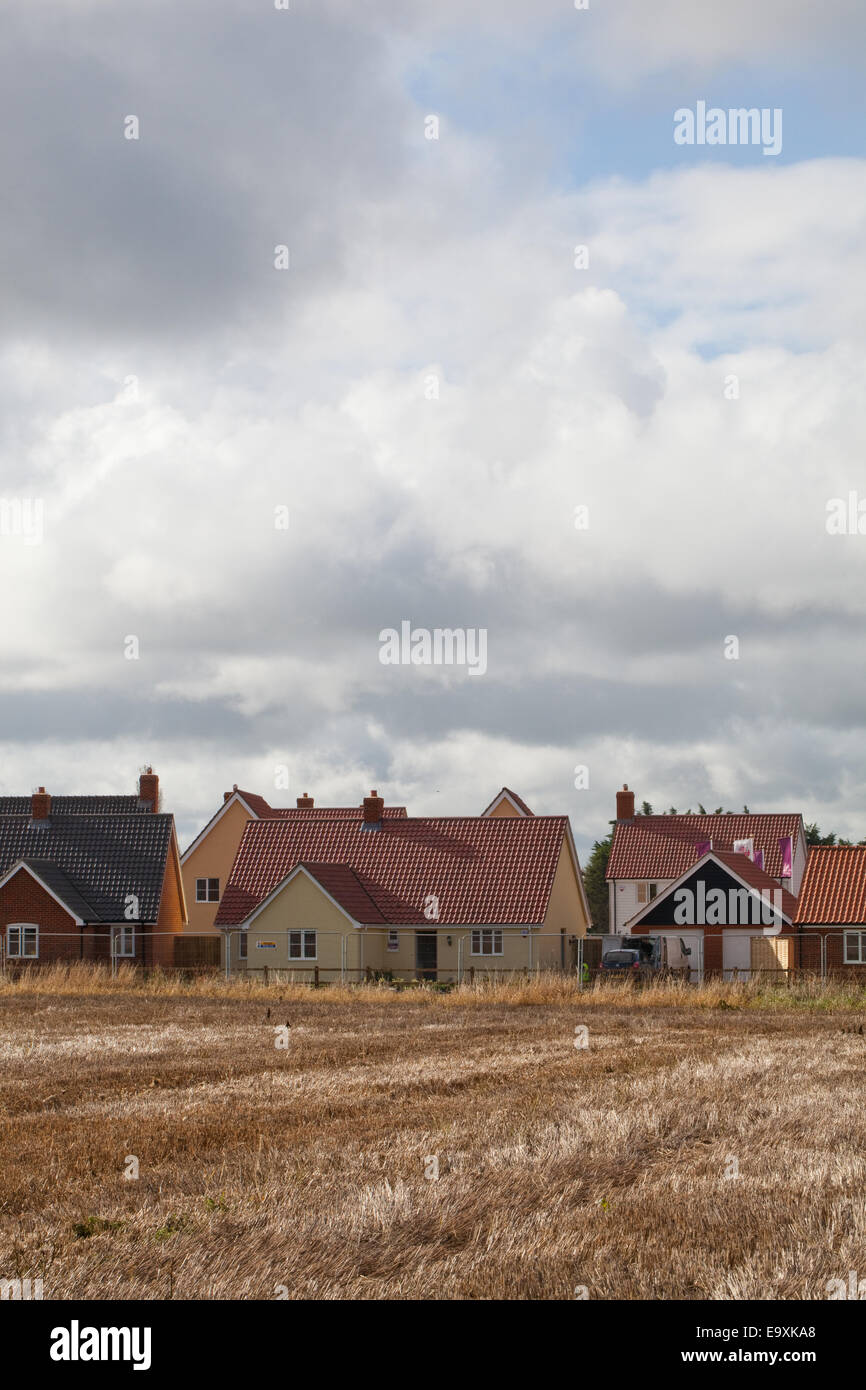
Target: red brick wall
<point>22,899</point>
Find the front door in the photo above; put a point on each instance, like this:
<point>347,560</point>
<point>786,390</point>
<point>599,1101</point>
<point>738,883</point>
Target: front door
<point>425,955</point>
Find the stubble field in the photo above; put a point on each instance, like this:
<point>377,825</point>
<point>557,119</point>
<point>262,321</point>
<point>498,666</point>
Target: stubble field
<point>703,1144</point>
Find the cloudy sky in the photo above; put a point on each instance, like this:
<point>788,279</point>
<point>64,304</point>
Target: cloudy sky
<point>432,388</point>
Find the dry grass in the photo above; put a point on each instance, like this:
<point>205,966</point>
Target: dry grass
<point>304,1167</point>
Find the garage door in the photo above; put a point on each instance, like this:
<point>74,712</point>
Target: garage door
<point>737,953</point>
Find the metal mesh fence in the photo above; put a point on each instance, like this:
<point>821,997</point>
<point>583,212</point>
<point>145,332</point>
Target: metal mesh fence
<point>444,956</point>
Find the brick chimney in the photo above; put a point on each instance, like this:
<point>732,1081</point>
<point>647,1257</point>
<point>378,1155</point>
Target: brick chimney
<point>148,788</point>
<point>373,808</point>
<point>40,805</point>
<point>305,803</point>
<point>625,803</point>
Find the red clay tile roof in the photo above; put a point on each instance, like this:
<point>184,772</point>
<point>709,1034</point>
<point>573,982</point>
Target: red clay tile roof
<point>261,808</point>
<point>481,870</point>
<point>347,888</point>
<point>834,885</point>
<point>256,803</point>
<point>331,812</point>
<point>651,847</point>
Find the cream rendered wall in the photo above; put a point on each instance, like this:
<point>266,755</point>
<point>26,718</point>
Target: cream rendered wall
<point>301,906</point>
<point>565,909</point>
<point>213,858</point>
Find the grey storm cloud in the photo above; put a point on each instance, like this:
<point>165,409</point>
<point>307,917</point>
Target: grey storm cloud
<point>256,129</point>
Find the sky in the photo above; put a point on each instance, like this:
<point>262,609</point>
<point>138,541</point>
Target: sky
<point>223,478</point>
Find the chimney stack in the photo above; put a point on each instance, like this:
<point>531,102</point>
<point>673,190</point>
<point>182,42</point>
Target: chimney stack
<point>148,788</point>
<point>625,803</point>
<point>305,803</point>
<point>373,808</point>
<point>40,805</point>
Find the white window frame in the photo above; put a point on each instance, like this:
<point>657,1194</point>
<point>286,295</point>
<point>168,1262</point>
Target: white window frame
<point>242,944</point>
<point>304,933</point>
<point>478,941</point>
<point>856,938</point>
<point>647,890</point>
<point>393,942</point>
<point>120,937</point>
<point>19,928</point>
<point>206,898</point>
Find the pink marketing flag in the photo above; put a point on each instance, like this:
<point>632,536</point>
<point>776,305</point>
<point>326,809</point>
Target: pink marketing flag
<point>786,845</point>
<point>759,858</point>
<point>745,847</point>
<point>703,847</point>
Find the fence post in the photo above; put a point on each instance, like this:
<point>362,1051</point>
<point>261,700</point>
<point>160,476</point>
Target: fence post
<point>315,977</point>
<point>342,960</point>
<point>580,964</point>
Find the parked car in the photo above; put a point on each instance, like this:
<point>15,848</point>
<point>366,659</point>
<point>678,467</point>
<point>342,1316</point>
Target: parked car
<point>625,959</point>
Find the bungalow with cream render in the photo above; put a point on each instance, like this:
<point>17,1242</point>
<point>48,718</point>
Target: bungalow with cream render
<point>429,897</point>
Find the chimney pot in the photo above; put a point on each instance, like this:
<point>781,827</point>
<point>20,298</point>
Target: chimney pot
<point>305,802</point>
<point>625,803</point>
<point>40,805</point>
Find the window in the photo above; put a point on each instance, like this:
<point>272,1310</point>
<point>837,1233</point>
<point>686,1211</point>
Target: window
<point>123,941</point>
<point>487,942</point>
<point>302,945</point>
<point>393,941</point>
<point>23,940</point>
<point>646,892</point>
<point>855,948</point>
<point>207,890</point>
<point>242,945</point>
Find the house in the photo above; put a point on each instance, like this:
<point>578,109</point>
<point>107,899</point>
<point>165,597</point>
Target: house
<point>427,896</point>
<point>831,910</point>
<point>649,853</point>
<point>207,861</point>
<point>722,914</point>
<point>85,884</point>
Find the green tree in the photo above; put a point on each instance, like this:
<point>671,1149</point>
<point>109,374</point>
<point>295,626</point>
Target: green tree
<point>595,882</point>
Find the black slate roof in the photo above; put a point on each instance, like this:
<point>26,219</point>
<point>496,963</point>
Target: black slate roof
<point>95,861</point>
<point>62,886</point>
<point>77,805</point>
